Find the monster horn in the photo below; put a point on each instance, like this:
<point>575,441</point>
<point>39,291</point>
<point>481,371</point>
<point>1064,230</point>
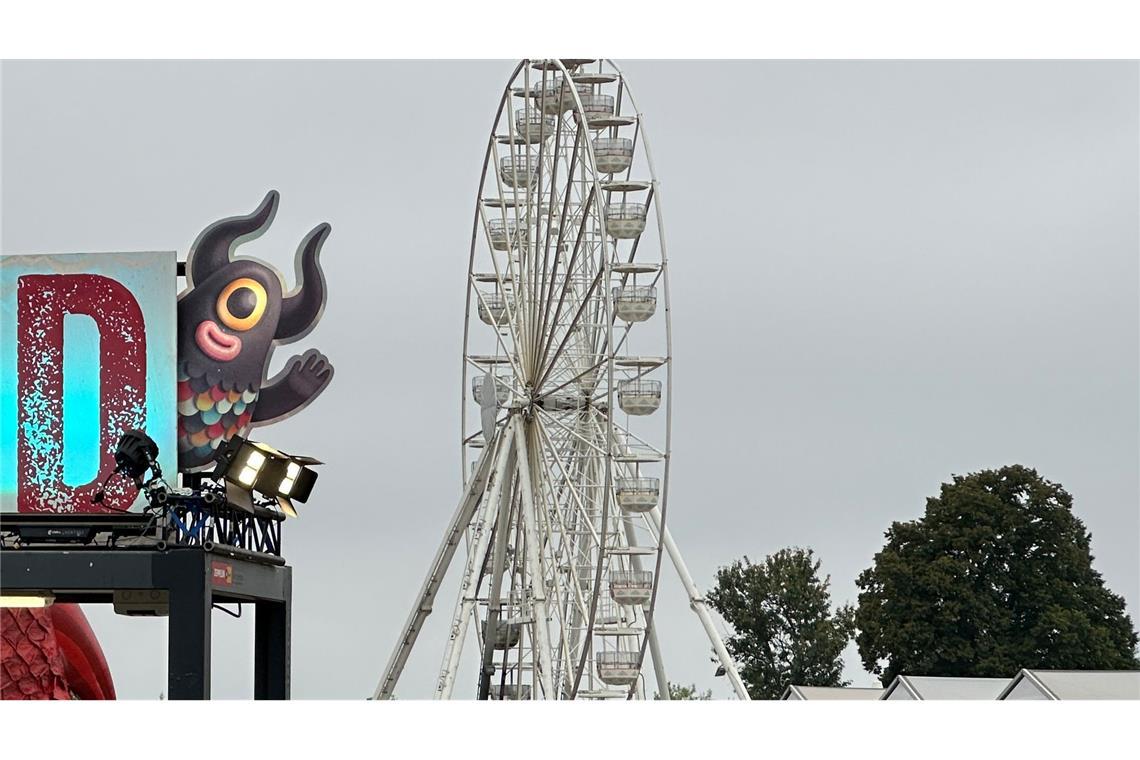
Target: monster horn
<point>302,308</point>
<point>214,247</point>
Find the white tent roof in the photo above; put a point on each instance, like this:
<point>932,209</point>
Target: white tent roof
<point>1074,684</point>
<point>831,692</point>
<point>932,687</point>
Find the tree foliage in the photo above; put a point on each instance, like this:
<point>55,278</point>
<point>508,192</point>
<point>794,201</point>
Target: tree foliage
<point>677,691</point>
<point>784,629</point>
<point>996,576</point>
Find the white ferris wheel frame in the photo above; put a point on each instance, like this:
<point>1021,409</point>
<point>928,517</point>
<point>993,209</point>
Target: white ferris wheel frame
<point>500,493</point>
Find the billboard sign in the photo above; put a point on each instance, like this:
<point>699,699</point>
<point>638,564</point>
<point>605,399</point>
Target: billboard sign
<point>87,351</point>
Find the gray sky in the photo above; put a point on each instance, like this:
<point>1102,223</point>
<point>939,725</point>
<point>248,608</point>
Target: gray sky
<point>882,273</point>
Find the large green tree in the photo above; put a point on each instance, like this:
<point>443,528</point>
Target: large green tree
<point>784,630</point>
<point>996,576</point>
<point>682,693</point>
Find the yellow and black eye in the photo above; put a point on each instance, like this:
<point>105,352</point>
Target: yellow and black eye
<point>242,303</point>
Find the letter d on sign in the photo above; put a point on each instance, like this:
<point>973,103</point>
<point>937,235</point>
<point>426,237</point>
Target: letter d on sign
<point>42,303</point>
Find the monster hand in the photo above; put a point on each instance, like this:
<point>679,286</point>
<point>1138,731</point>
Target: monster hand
<point>309,373</point>
<point>302,380</point>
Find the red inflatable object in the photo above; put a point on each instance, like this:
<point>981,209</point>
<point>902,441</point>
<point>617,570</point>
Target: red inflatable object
<point>51,653</point>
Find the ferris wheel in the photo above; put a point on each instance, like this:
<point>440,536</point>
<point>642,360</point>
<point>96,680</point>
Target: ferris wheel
<point>565,406</point>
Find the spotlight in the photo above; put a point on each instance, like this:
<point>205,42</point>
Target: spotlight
<point>136,453</point>
<point>248,466</point>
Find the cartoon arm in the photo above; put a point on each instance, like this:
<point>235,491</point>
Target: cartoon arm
<point>293,388</point>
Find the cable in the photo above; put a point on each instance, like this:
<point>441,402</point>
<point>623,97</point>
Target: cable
<point>228,612</point>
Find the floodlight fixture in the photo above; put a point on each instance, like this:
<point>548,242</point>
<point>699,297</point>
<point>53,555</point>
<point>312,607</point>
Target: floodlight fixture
<point>248,466</point>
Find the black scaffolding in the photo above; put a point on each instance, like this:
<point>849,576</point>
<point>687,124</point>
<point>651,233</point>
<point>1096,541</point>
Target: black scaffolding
<point>193,577</point>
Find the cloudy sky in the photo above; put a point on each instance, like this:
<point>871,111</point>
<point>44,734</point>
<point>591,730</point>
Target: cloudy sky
<point>883,273</point>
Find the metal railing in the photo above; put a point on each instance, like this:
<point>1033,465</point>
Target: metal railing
<point>639,387</point>
<point>622,211</point>
<point>632,579</point>
<point>638,485</point>
<point>613,146</point>
<point>636,294</point>
<point>597,104</point>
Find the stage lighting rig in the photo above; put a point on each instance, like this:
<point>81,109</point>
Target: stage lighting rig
<point>248,466</point>
<point>136,453</point>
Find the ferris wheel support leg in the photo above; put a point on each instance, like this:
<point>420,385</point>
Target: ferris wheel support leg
<point>498,563</point>
<point>697,603</point>
<point>536,567</point>
<point>436,572</point>
<point>654,646</point>
<point>465,605</point>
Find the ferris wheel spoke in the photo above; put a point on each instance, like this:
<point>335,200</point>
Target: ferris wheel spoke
<point>567,282</point>
<point>552,359</point>
<point>571,432</point>
<point>584,514</point>
<point>567,195</point>
<point>548,393</point>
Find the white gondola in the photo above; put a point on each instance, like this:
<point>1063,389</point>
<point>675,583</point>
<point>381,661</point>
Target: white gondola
<point>613,154</point>
<point>625,221</point>
<point>596,106</point>
<point>637,494</point>
<point>555,96</point>
<point>531,126</point>
<point>505,234</point>
<point>493,309</point>
<point>639,397</point>
<point>510,691</point>
<point>508,633</point>
<point>631,587</point>
<point>502,389</point>
<point>518,170</point>
<point>635,303</point>
<point>617,668</point>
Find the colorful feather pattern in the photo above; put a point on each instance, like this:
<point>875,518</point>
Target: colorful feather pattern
<point>208,414</point>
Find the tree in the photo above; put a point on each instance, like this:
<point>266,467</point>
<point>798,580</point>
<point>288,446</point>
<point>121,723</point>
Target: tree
<point>995,577</point>
<point>784,629</point>
<point>677,691</point>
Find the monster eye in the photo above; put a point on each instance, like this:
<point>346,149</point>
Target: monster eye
<point>242,303</point>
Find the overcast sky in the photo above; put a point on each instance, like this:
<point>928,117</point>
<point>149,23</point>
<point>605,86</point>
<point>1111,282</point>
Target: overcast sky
<point>882,273</point>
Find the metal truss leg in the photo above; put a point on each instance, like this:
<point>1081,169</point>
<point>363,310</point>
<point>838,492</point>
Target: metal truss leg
<point>697,602</point>
<point>536,569</point>
<point>188,635</point>
<point>459,522</point>
<point>271,650</point>
<point>483,528</point>
<point>654,646</point>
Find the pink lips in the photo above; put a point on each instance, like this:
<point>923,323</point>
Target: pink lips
<point>215,343</point>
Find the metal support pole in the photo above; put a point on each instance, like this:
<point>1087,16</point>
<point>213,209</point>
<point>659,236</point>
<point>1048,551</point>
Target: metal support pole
<point>536,567</point>
<point>188,633</point>
<point>654,646</point>
<point>494,602</point>
<point>271,650</point>
<point>697,602</point>
<point>483,528</point>
<point>439,565</point>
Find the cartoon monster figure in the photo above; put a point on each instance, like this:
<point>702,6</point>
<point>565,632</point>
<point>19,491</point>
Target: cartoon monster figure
<point>231,316</point>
